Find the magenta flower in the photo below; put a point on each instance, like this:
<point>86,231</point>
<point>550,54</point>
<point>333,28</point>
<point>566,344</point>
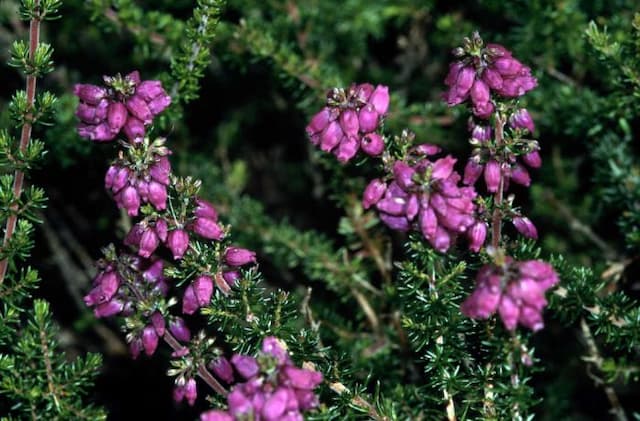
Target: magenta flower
<point>274,389</point>
<point>125,104</point>
<point>515,290</point>
<point>134,183</point>
<point>349,121</point>
<point>480,72</point>
<point>425,194</point>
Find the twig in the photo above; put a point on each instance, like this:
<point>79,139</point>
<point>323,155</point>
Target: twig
<point>368,244</point>
<point>575,224</point>
<point>203,372</point>
<point>597,360</point>
<point>25,136</point>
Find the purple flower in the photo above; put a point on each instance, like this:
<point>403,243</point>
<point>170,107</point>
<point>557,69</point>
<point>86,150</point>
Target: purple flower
<point>521,119</point>
<point>125,104</point>
<point>479,73</point>
<point>349,121</point>
<point>235,256</point>
<point>425,194</point>
<point>178,242</point>
<point>515,290</point>
<point>525,227</point>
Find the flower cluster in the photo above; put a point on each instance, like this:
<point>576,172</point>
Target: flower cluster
<point>515,290</point>
<point>125,104</point>
<point>497,163</point>
<point>140,176</point>
<point>120,286</point>
<point>426,193</point>
<point>350,120</point>
<point>274,388</point>
<point>480,70</point>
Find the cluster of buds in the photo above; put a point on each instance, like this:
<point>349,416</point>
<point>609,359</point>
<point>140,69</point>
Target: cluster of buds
<point>516,290</point>
<point>501,161</point>
<point>426,194</point>
<point>125,104</point>
<point>141,175</point>
<point>120,286</point>
<point>274,388</point>
<point>198,293</point>
<point>481,69</point>
<point>350,120</point>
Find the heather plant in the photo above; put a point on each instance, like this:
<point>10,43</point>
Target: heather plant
<point>36,380</point>
<point>322,215</point>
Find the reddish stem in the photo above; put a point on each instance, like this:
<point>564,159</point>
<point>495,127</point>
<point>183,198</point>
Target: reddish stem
<point>25,136</point>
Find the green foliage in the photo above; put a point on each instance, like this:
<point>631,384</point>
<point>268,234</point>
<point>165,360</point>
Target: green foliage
<point>36,380</point>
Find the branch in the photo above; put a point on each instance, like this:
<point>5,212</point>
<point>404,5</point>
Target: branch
<point>25,136</point>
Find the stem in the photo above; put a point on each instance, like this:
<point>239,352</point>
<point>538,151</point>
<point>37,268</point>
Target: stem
<point>597,360</point>
<point>25,136</point>
<point>203,372</point>
<point>496,219</point>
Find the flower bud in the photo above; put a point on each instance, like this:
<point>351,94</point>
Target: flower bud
<point>178,242</point>
<point>203,289</point>
<point>399,223</point>
<point>520,175</point>
<point>443,168</point>
<point>205,209</point>
<point>110,176</point>
<point>472,172</point>
<point>368,118</point>
<point>148,243</point>
<point>223,369</point>
<point>275,405</point>
<point>189,301</point>
<point>149,340</point>
<point>246,366</point>
<point>347,148</point>
<point>480,92</point>
<point>492,78</point>
<point>426,149</point>
<point>159,104</point>
<point>235,256</point>
<point>373,193</point>
<point>179,329</point>
<point>521,119</point>
<point>116,116</point>
<point>208,228</point>
<point>139,109</point>
<point>109,308</point>
<point>161,229</point>
<point>372,144</point>
<point>158,323</point>
<point>392,205</point>
<point>134,128</point>
<point>130,200</point>
<point>90,94</point>
<point>403,174</point>
<point>319,122</point>
<point>158,195</point>
<point>191,391</point>
<point>477,235</point>
<point>532,159</point>
<point>120,179</point>
<point>160,170</point>
<point>331,136</point>
<point>483,109</point>
<point>231,277</point>
<point>380,99</point>
<point>363,92</point>
<point>492,176</point>
<point>349,122</point>
<point>150,89</point>
<point>525,227</point>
